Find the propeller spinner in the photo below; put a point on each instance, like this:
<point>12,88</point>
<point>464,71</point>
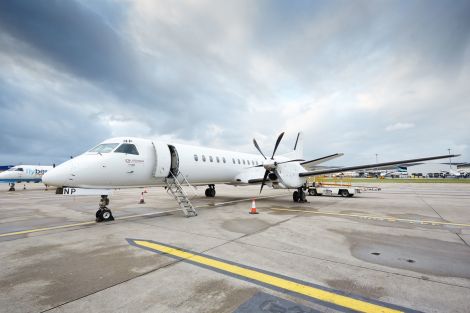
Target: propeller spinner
<point>269,166</point>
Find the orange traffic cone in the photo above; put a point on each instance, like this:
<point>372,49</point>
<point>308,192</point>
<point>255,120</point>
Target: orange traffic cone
<point>141,198</point>
<point>253,207</point>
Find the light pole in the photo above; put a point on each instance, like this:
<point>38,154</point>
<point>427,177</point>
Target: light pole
<point>450,159</point>
<point>376,161</point>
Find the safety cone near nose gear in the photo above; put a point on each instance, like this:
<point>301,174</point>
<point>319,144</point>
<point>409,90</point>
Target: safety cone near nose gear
<point>141,198</point>
<point>253,207</point>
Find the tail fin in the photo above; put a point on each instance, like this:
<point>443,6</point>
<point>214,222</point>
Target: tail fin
<point>298,152</point>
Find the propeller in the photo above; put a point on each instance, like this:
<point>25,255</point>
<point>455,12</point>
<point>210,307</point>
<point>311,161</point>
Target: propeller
<point>266,173</point>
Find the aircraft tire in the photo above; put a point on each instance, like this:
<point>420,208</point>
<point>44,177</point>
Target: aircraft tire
<point>295,196</point>
<point>106,215</point>
<point>99,216</point>
<point>212,193</point>
<point>207,192</point>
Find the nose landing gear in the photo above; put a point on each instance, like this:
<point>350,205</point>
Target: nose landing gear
<point>210,192</point>
<point>12,187</point>
<point>104,214</point>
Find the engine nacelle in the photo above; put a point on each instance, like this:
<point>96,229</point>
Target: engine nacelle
<point>288,175</point>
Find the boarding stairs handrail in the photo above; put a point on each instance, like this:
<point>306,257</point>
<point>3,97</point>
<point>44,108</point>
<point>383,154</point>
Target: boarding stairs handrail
<point>174,186</point>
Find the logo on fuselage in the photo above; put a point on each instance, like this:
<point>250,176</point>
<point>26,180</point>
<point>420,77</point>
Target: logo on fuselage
<point>30,171</point>
<point>133,161</point>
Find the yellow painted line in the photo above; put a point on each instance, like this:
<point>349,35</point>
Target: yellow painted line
<point>283,283</point>
<point>29,231</point>
<point>35,230</point>
<point>383,218</point>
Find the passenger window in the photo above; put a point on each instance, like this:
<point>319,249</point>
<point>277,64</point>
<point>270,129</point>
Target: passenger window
<point>223,159</point>
<point>210,158</point>
<point>203,158</point>
<point>239,161</point>
<point>127,148</point>
<point>233,160</point>
<point>217,158</point>
<point>243,162</point>
<point>196,158</point>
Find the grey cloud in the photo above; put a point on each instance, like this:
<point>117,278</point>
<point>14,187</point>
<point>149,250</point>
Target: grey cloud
<point>220,72</point>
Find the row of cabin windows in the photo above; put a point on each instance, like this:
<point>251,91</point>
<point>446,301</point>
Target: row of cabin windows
<point>211,159</point>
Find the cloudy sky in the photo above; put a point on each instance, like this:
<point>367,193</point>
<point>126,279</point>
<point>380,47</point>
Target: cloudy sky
<point>359,77</point>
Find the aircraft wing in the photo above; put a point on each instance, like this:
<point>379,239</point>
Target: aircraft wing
<point>310,165</point>
<point>376,165</point>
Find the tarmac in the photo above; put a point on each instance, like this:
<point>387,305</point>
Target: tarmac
<point>404,248</point>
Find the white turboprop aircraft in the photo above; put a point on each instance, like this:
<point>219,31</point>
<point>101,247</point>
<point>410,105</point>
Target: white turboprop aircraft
<point>23,173</point>
<point>135,162</point>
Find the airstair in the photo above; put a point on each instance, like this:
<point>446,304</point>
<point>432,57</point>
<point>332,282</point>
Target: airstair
<point>174,186</point>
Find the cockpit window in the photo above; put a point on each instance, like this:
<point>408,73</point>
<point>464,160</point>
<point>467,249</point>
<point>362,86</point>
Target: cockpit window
<point>127,148</point>
<point>16,169</point>
<point>104,148</point>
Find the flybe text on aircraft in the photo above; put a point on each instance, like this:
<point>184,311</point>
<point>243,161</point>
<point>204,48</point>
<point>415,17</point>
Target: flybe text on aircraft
<point>23,173</point>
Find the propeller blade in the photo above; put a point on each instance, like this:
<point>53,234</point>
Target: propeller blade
<point>277,144</point>
<point>257,147</point>
<point>266,173</point>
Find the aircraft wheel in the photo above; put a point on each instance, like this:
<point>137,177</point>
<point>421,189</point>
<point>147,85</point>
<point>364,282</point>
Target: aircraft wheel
<point>302,197</point>
<point>99,215</point>
<point>208,192</point>
<point>106,215</point>
<point>212,193</point>
<point>295,196</point>
<point>11,189</point>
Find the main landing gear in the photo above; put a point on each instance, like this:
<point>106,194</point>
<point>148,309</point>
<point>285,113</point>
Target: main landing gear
<point>12,187</point>
<point>210,192</point>
<point>299,195</point>
<point>104,214</point>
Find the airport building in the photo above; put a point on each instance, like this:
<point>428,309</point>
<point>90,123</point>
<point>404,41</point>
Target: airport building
<point>432,170</point>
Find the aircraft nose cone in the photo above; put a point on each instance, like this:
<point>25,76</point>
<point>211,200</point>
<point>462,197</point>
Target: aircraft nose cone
<point>55,177</point>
